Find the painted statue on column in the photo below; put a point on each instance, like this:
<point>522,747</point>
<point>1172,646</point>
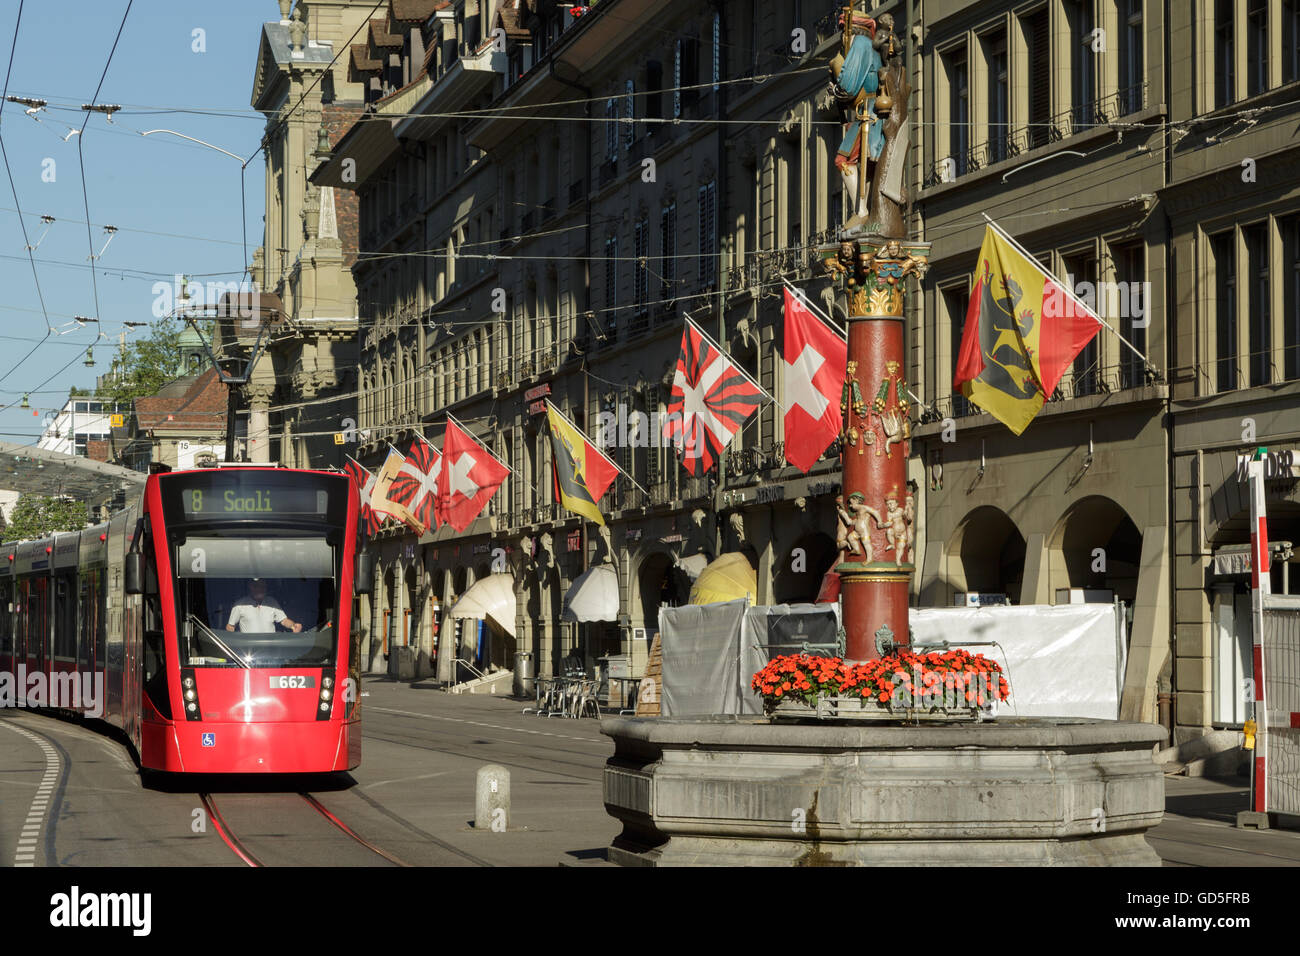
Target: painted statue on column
<point>873,259</point>
<point>869,85</point>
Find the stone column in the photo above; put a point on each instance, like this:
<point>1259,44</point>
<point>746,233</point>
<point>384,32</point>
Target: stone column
<point>878,523</point>
<point>258,395</point>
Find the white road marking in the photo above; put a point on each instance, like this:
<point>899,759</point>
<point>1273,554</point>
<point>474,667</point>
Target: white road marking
<point>24,851</point>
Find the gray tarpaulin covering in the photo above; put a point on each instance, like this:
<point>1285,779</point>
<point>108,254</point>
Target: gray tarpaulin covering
<point>710,651</point>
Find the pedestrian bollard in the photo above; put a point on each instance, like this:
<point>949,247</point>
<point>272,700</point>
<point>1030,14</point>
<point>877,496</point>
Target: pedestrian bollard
<point>492,799</point>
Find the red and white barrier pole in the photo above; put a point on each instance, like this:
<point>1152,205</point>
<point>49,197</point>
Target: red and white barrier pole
<point>1260,587</point>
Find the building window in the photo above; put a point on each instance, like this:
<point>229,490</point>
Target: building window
<point>629,129</point>
<point>654,107</point>
<point>1256,47</point>
<point>1257,296</point>
<point>708,247</point>
<point>1086,372</point>
<point>611,130</point>
<point>668,250</point>
<point>1083,64</point>
<point>1223,249</point>
<point>1225,84</point>
<point>677,80</point>
<point>1291,298</point>
<point>955,302</point>
<point>995,47</point>
<point>641,268</point>
<point>1040,77</point>
<point>958,109</point>
<point>793,196</point>
<point>1130,271</point>
<point>610,323</point>
<point>1131,76</point>
<point>717,51</point>
<point>1290,40</point>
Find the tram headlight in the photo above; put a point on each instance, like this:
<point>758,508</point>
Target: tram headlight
<point>188,682</point>
<point>191,707</point>
<point>324,705</point>
<point>325,693</point>
<point>327,681</point>
<point>191,695</point>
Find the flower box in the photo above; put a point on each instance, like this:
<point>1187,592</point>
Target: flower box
<point>954,686</point>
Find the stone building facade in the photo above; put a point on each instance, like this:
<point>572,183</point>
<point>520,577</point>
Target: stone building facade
<point>1126,483</point>
<point>304,386</point>
<point>507,259</point>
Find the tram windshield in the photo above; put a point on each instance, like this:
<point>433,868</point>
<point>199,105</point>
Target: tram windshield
<point>256,602</point>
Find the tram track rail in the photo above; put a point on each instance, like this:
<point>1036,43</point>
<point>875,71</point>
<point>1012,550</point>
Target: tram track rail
<point>241,849</point>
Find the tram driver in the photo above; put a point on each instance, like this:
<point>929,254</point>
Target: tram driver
<point>258,612</point>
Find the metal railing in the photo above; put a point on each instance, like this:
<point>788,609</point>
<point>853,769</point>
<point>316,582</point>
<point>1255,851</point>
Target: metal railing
<point>1015,142</point>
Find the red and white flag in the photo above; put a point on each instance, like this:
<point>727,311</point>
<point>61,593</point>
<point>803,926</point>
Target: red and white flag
<point>471,476</point>
<point>365,482</point>
<point>416,484</point>
<point>815,360</point>
<point>711,399</point>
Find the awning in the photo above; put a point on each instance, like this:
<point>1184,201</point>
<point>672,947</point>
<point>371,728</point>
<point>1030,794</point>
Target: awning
<point>593,596</point>
<point>489,598</point>
<point>729,578</point>
<point>693,565</point>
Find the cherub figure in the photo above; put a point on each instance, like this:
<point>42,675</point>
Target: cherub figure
<point>897,526</point>
<point>854,532</point>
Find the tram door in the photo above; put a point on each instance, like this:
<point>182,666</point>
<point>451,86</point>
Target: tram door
<point>38,624</point>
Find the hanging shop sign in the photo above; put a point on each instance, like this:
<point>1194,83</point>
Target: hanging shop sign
<point>536,398</point>
<point>574,541</point>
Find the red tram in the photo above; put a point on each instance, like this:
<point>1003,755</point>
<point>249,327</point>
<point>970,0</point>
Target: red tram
<point>211,620</point>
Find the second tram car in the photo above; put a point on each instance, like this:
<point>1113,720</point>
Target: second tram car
<point>212,620</point>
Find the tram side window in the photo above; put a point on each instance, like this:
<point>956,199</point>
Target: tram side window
<point>6,619</point>
<point>101,614</point>
<point>65,608</point>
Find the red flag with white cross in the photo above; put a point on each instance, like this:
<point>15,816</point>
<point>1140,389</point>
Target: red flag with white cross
<point>471,475</point>
<point>815,360</point>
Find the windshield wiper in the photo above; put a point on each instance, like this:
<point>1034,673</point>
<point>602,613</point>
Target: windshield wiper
<point>218,641</point>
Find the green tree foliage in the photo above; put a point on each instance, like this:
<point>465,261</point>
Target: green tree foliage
<point>35,516</point>
<point>150,364</point>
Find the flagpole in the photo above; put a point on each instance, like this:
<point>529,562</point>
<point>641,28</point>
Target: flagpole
<point>461,425</point>
<point>1070,292</point>
<point>736,365</point>
<point>571,422</point>
<point>807,303</point>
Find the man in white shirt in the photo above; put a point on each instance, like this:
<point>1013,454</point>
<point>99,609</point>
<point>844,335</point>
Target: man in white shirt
<point>257,613</point>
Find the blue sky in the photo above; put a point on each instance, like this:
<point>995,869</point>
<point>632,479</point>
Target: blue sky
<point>144,186</point>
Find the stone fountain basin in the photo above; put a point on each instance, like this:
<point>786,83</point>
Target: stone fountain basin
<point>1036,791</point>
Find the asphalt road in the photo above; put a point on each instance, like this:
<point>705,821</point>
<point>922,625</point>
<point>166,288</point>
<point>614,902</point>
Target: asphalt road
<point>70,795</point>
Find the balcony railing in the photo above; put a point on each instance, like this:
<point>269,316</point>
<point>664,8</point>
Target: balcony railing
<point>741,462</point>
<point>1077,119</point>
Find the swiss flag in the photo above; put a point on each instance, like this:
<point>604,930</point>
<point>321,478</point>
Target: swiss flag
<point>470,477</point>
<point>815,360</point>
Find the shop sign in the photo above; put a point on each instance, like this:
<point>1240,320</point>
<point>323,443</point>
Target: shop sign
<point>768,493</point>
<point>574,542</point>
<point>482,548</point>
<point>633,534</point>
<point>536,398</point>
<point>1278,465</point>
<point>820,488</point>
<point>671,538</point>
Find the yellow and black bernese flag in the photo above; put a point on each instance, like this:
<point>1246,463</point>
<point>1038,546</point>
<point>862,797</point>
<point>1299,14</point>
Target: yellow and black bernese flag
<point>582,472</point>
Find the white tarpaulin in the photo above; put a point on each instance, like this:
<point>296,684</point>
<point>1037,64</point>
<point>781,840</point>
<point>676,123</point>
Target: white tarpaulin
<point>710,651</point>
<point>1061,661</point>
<point>492,597</point>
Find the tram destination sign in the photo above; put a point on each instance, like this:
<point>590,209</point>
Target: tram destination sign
<point>250,501</point>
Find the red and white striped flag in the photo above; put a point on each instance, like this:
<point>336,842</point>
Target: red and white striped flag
<point>416,485</point>
<point>365,482</point>
<point>711,399</point>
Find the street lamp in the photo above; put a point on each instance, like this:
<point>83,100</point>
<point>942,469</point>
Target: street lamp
<point>193,140</point>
